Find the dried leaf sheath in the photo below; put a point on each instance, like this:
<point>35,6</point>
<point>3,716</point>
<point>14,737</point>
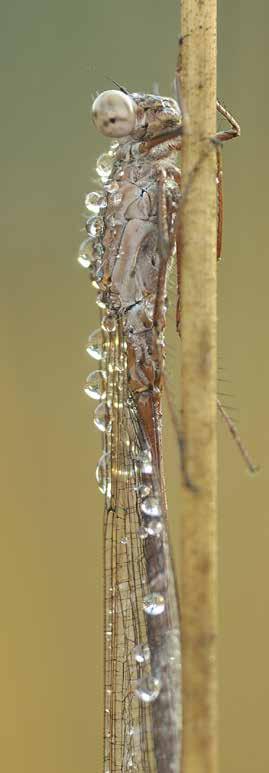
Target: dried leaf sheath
<point>126,259</point>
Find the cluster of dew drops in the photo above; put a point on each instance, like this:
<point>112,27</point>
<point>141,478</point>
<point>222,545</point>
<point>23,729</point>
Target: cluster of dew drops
<point>90,257</point>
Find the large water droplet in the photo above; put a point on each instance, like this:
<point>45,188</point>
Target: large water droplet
<point>94,226</point>
<point>148,688</point>
<point>141,653</point>
<point>103,474</point>
<point>95,384</point>
<point>94,201</point>
<point>102,418</point>
<point>145,462</point>
<point>153,604</point>
<point>142,532</point>
<point>151,506</point>
<point>104,165</point>
<point>95,345</point>
<point>154,528</point>
<point>85,255</point>
<point>143,490</point>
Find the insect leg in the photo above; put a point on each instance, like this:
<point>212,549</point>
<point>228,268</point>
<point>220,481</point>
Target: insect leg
<point>229,134</point>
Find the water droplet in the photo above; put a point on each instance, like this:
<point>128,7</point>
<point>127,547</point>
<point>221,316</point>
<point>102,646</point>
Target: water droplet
<point>142,532</point>
<point>100,301</point>
<point>93,226</point>
<point>102,474</point>
<point>94,201</point>
<point>102,419</point>
<point>143,490</point>
<point>95,345</point>
<point>109,323</point>
<point>151,506</point>
<point>154,528</point>
<point>104,165</point>
<point>145,462</point>
<point>124,540</point>
<point>85,255</point>
<point>95,384</point>
<point>153,604</point>
<point>141,653</point>
<point>84,262</point>
<point>148,688</point>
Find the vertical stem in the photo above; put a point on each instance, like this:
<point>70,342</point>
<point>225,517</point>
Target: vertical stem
<point>198,268</point>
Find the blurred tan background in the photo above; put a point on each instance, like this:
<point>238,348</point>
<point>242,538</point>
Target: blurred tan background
<point>54,55</point>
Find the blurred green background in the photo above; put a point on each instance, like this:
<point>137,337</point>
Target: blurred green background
<point>54,56</point>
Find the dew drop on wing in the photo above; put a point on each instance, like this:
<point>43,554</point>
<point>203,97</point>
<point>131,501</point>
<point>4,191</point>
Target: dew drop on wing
<point>95,345</point>
<point>151,506</point>
<point>148,688</point>
<point>95,201</point>
<point>102,418</point>
<point>95,385</point>
<point>104,166</point>
<point>144,460</point>
<point>141,653</point>
<point>154,528</point>
<point>153,604</point>
<point>102,474</point>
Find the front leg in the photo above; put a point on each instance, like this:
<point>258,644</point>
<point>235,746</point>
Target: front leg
<point>223,136</point>
<point>229,134</point>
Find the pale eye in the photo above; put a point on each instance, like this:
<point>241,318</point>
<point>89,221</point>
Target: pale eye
<point>114,113</point>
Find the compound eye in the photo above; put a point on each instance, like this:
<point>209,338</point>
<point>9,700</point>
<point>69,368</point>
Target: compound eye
<point>114,113</point>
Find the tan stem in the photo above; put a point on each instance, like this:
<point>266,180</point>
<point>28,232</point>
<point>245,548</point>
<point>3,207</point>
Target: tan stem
<point>198,327</point>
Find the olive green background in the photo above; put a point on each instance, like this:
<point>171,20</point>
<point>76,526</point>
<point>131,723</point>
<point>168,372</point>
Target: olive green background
<point>54,56</point>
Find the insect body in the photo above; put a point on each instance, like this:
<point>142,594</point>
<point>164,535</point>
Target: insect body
<point>131,238</point>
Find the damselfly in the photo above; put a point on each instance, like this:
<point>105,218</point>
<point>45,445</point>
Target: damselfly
<point>130,244</point>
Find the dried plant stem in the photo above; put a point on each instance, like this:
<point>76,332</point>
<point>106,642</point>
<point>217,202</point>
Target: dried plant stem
<point>198,271</point>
